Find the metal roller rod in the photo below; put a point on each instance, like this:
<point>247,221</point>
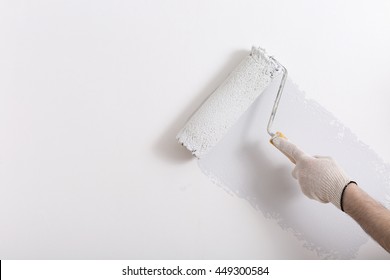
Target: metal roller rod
<point>278,96</point>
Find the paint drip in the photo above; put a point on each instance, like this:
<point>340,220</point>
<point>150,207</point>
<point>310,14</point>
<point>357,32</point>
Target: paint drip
<point>246,165</point>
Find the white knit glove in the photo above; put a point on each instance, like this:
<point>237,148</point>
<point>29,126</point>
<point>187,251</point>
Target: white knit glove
<point>320,178</point>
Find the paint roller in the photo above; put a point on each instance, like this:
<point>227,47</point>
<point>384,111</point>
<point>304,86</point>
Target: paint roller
<point>218,113</point>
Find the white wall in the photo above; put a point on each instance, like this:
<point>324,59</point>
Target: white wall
<point>92,94</point>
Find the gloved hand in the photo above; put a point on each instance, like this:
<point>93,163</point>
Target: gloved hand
<point>320,178</point>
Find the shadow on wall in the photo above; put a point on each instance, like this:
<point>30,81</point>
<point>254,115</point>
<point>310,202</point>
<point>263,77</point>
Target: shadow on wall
<point>270,189</point>
<point>245,152</point>
<point>167,146</point>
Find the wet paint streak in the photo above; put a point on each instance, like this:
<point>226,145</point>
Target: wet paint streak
<point>245,164</point>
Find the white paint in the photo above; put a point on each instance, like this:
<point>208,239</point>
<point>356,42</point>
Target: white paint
<point>227,103</point>
<point>93,93</point>
<point>248,166</point>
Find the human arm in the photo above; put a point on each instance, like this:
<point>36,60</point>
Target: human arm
<point>322,179</point>
<point>373,217</point>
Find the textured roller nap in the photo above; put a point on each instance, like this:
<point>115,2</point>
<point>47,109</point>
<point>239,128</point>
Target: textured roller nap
<point>229,101</point>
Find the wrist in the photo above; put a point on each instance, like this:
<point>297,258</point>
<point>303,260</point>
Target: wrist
<point>350,189</point>
<point>339,189</point>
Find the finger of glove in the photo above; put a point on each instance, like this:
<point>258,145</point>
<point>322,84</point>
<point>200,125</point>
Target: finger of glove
<point>289,149</point>
<point>323,157</point>
<point>295,172</point>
